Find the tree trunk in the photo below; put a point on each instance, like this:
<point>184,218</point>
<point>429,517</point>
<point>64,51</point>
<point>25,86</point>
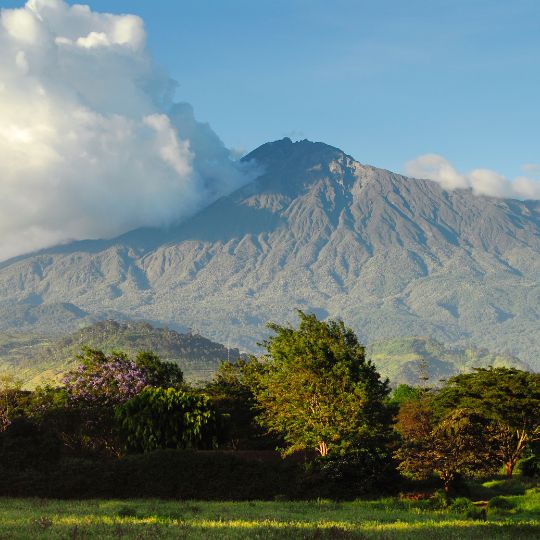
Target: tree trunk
<point>509,468</point>
<point>447,478</point>
<point>523,439</point>
<point>322,448</point>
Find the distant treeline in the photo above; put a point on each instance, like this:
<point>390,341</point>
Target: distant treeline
<point>311,417</point>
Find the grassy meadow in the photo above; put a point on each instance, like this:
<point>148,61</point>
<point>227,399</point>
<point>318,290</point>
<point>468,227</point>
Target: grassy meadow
<point>512,517</point>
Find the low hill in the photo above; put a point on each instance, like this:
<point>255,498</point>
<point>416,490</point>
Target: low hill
<point>407,360</point>
<point>37,359</point>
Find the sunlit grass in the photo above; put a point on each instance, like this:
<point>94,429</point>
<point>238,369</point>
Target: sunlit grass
<point>384,518</point>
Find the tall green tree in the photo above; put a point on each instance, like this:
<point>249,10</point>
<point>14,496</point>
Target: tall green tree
<point>232,391</point>
<point>508,398</point>
<point>319,392</point>
<point>159,373</point>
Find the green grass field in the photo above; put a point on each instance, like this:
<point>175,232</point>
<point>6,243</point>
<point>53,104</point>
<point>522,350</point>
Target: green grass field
<point>384,519</point>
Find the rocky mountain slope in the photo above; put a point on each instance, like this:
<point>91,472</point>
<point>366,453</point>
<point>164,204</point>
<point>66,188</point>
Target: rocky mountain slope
<point>393,256</point>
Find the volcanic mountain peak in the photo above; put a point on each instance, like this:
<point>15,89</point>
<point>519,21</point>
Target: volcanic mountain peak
<point>393,256</point>
<point>288,167</point>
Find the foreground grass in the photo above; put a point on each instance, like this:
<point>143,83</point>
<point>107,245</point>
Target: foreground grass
<point>384,519</point>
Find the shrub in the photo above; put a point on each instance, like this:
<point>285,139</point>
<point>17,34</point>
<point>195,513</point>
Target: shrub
<point>361,472</point>
<point>126,511</point>
<point>439,500</point>
<point>462,505</point>
<point>23,445</point>
<point>501,503</point>
<point>160,418</point>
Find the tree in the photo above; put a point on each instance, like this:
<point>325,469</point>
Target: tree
<point>159,418</point>
<point>458,444</point>
<point>12,399</point>
<point>318,391</point>
<point>102,379</point>
<point>405,393</point>
<point>232,393</point>
<point>99,384</point>
<point>508,398</point>
<point>158,373</point>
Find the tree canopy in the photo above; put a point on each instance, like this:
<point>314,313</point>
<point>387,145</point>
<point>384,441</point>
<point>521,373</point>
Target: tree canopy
<point>458,444</point>
<point>318,391</point>
<point>509,398</point>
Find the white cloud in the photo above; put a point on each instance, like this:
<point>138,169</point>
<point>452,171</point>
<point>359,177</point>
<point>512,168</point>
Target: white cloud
<point>481,181</point>
<point>91,144</point>
<point>532,169</point>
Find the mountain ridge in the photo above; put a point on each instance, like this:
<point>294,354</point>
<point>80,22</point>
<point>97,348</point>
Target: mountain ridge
<point>317,230</point>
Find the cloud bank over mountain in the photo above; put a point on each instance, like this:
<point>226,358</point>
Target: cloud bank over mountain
<point>481,181</point>
<point>91,141</point>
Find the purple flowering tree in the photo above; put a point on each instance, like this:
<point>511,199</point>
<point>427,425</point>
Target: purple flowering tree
<point>85,411</point>
<point>94,389</point>
<point>105,380</point>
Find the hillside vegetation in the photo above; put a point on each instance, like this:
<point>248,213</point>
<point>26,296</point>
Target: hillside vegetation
<point>35,359</point>
<point>408,360</point>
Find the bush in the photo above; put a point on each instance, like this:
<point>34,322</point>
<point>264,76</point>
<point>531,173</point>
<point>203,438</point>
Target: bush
<point>439,500</point>
<point>501,503</point>
<point>462,505</point>
<point>126,511</point>
<point>167,474</point>
<point>530,466</point>
<point>361,472</point>
<point>175,474</point>
<point>159,418</point>
<point>23,445</point>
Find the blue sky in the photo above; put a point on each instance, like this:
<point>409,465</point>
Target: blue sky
<point>384,80</point>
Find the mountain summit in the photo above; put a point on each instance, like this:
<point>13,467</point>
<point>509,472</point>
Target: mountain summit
<point>317,230</point>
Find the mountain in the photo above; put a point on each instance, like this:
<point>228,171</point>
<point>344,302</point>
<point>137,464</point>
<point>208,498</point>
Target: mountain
<point>38,359</point>
<point>317,230</point>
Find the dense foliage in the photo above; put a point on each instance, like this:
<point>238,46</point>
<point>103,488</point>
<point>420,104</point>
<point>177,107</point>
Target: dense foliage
<point>508,398</point>
<point>159,418</point>
<point>232,392</point>
<point>457,445</point>
<point>319,392</point>
<point>314,395</point>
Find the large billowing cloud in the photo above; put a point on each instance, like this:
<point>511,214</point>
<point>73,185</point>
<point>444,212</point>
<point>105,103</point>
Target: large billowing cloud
<point>481,181</point>
<point>91,143</point>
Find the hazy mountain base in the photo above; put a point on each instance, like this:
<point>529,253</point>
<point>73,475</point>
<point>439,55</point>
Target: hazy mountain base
<point>392,256</point>
<point>36,359</point>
